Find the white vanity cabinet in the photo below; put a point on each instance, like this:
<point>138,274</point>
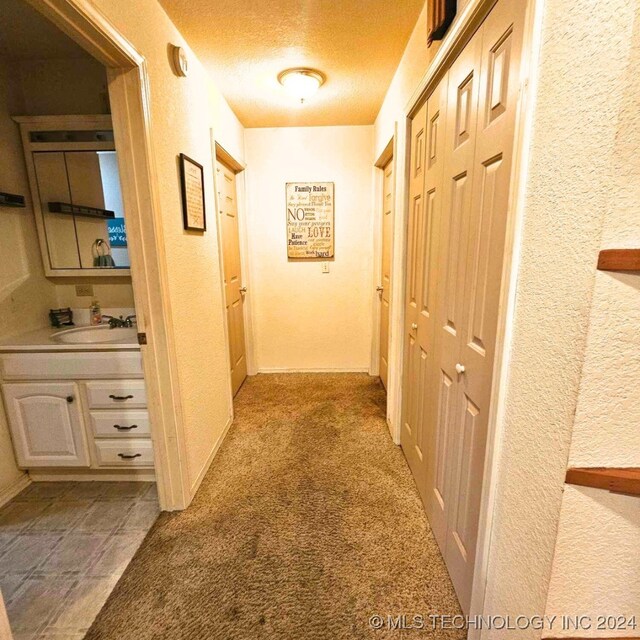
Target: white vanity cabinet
<point>71,410</point>
<point>46,424</point>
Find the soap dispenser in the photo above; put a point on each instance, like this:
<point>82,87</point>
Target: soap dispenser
<point>95,314</point>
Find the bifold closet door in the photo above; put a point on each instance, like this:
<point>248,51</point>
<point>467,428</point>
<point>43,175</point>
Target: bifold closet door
<point>483,235</point>
<point>461,118</point>
<point>414,382</point>
<point>461,151</point>
<point>233,289</point>
<point>418,435</point>
<point>481,109</point>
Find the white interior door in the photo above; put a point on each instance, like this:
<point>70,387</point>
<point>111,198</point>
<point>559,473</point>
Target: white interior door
<point>234,291</point>
<point>385,281</point>
<point>414,382</point>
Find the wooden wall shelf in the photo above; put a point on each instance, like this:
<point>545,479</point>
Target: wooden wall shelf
<point>619,260</point>
<point>617,480</point>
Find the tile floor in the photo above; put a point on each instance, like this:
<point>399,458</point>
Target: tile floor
<point>63,546</point>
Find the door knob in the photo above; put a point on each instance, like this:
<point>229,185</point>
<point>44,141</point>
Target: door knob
<point>70,399</point>
<point>414,326</point>
<point>243,289</point>
<point>460,368</point>
<point>379,288</point>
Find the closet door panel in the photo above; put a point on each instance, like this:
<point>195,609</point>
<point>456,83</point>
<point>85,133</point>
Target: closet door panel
<point>459,149</point>
<point>438,387</point>
<point>484,233</point>
<point>85,182</point>
<point>414,357</point>
<point>60,230</point>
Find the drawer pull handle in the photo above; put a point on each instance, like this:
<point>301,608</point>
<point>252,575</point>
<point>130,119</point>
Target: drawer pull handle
<point>120,397</point>
<point>124,456</point>
<point>119,428</point>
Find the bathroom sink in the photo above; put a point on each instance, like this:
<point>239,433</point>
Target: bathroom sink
<point>91,335</point>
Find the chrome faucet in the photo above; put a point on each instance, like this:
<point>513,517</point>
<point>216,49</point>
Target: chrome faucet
<point>120,322</point>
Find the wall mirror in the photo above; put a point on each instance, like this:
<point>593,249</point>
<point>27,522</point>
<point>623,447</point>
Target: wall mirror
<point>75,187</point>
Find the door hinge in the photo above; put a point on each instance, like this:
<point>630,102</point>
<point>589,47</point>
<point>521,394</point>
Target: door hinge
<point>142,338</point>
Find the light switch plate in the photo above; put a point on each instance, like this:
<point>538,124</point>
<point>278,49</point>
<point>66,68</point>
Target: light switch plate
<point>84,290</point>
<point>325,267</point>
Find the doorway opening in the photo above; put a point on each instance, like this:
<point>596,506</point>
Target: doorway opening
<point>229,183</point>
<point>387,205</point>
<point>78,490</point>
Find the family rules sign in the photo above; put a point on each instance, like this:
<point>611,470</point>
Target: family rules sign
<point>310,218</point>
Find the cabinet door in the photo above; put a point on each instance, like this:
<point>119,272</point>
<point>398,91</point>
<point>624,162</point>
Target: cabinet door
<point>46,424</point>
<point>85,183</point>
<point>53,186</point>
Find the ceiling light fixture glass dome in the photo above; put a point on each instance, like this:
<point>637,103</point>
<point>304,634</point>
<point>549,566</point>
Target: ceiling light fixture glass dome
<point>301,83</point>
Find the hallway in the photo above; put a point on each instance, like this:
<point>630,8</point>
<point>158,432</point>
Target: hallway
<point>306,525</point>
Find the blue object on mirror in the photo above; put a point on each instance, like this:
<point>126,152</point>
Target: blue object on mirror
<point>117,232</point>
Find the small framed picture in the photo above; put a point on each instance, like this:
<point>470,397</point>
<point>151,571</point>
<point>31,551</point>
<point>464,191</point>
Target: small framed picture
<point>192,182</point>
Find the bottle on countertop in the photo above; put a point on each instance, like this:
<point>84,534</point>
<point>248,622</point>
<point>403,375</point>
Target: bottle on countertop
<point>95,314</point>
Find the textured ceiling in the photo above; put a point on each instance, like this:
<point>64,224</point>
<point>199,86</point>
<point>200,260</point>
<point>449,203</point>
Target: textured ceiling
<point>25,34</point>
<point>244,44</point>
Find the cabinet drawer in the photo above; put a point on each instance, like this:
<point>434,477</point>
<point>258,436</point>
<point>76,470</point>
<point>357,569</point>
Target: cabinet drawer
<point>75,366</point>
<point>117,394</point>
<point>120,423</point>
<point>124,453</point>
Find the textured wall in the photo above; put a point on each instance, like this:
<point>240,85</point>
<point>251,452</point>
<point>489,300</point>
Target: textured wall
<point>595,568</point>
<point>182,112</point>
<point>580,95</point>
<point>303,318</point>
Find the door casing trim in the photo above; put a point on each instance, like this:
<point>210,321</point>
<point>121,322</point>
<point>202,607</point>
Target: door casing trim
<point>378,199</point>
<point>220,154</point>
<point>131,114</point>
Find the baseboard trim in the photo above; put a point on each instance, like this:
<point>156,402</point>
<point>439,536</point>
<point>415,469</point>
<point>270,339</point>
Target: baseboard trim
<point>203,472</point>
<point>14,489</point>
<point>312,370</point>
<point>95,476</point>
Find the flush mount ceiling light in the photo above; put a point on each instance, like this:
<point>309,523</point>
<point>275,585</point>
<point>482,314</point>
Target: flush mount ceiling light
<point>301,83</point>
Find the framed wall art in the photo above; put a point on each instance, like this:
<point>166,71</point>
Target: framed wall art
<point>192,183</point>
<point>310,220</point>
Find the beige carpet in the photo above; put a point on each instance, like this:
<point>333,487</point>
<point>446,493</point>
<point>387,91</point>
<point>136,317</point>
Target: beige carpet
<point>306,525</point>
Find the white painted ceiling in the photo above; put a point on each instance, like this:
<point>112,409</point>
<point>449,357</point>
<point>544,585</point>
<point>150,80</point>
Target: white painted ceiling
<point>27,35</point>
<point>244,44</point>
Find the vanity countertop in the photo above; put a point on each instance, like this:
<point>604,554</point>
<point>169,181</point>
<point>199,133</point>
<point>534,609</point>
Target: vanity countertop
<point>42,340</point>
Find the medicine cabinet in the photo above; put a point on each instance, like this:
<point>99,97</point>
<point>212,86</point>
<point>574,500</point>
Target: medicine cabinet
<point>75,188</point>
